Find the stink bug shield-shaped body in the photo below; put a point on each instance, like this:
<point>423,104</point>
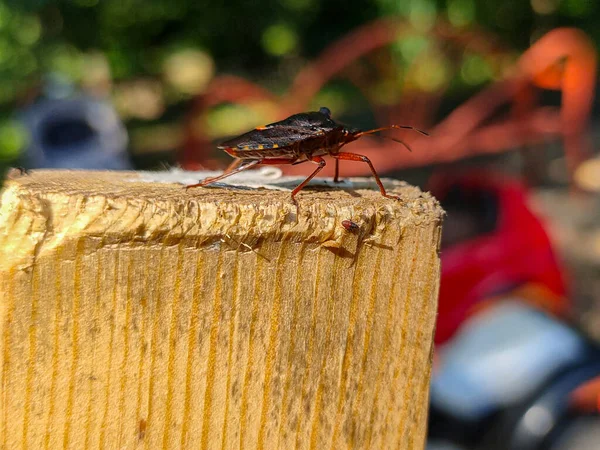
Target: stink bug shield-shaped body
<point>304,137</point>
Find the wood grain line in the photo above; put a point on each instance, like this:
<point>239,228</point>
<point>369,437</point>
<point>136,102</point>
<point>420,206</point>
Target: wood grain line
<point>348,353</point>
<point>79,252</point>
<point>273,332</point>
<point>124,363</point>
<point>153,353</point>
<point>256,298</point>
<point>192,342</point>
<point>368,331</point>
<point>6,353</point>
<point>175,304</point>
<point>319,396</point>
<point>143,325</point>
<point>427,293</point>
<point>96,314</point>
<point>386,342</point>
<point>115,285</point>
<point>434,271</point>
<point>35,292</point>
<point>212,354</point>
<point>234,305</point>
<point>403,325</point>
<point>311,339</point>
<point>408,364</point>
<point>55,345</point>
<point>294,325</point>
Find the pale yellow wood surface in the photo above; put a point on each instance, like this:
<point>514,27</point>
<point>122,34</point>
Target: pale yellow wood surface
<point>138,315</point>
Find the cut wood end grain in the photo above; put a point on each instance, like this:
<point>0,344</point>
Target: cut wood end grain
<point>44,207</point>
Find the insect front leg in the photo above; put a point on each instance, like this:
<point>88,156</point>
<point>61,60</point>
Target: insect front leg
<point>355,157</point>
<point>234,165</point>
<point>244,164</point>
<point>317,160</point>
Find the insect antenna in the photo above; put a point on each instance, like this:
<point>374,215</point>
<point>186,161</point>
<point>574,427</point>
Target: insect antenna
<point>400,127</point>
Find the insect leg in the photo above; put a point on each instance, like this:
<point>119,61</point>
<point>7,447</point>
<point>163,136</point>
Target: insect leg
<point>245,164</point>
<point>234,165</point>
<point>317,160</point>
<point>354,157</point>
<point>337,172</point>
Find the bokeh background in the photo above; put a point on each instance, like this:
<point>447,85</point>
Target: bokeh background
<point>507,88</point>
<point>151,60</point>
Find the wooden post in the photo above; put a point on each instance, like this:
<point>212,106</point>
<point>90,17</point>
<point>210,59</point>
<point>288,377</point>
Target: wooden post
<point>140,315</point>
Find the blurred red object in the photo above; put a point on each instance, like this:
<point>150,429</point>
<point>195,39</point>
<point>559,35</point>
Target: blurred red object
<point>564,59</point>
<point>514,254</point>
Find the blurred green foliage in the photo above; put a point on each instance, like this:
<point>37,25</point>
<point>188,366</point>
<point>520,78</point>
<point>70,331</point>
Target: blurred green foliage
<point>245,36</point>
<point>91,42</point>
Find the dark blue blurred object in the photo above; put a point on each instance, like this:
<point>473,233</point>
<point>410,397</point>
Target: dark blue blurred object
<point>75,133</point>
<point>504,381</point>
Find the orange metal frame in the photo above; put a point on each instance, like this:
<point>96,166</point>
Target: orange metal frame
<point>564,59</point>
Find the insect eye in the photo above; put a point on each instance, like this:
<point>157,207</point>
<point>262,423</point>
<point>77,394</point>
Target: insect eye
<point>325,111</point>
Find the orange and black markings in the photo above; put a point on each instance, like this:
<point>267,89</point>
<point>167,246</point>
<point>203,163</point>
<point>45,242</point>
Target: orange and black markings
<point>300,138</point>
